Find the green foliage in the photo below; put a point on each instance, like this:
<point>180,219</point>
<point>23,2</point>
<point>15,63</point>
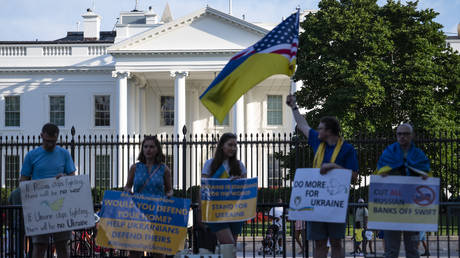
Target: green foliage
<point>375,66</point>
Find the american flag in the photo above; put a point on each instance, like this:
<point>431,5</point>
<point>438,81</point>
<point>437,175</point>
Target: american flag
<point>283,40</point>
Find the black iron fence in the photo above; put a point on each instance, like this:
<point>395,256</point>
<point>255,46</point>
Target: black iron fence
<point>258,238</point>
<point>270,157</point>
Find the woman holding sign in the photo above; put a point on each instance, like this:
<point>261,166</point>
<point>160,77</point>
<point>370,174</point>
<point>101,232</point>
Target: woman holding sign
<point>150,175</point>
<point>225,165</point>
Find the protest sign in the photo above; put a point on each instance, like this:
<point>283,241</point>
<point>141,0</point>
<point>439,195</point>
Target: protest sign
<point>404,203</point>
<point>317,197</point>
<point>225,200</point>
<point>56,205</point>
<point>143,222</point>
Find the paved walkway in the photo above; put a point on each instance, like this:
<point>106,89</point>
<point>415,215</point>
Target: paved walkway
<point>446,248</point>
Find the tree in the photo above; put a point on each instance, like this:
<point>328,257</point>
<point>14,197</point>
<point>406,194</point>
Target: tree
<point>376,66</point>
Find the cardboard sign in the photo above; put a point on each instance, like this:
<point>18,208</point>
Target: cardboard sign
<point>56,205</point>
<point>143,222</point>
<point>322,198</point>
<point>404,203</point>
<point>225,200</point>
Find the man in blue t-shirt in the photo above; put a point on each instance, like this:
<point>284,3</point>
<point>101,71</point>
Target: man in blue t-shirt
<point>48,161</point>
<point>330,152</point>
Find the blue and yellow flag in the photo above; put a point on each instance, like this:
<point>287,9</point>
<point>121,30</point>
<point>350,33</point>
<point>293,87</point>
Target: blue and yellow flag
<point>273,54</point>
<point>393,157</point>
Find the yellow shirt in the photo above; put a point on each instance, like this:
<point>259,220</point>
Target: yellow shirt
<point>359,234</point>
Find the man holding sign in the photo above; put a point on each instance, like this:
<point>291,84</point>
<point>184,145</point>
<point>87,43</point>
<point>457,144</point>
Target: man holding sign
<point>402,158</point>
<point>331,152</point>
<point>48,161</point>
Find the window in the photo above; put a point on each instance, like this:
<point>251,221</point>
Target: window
<point>274,171</point>
<point>11,171</point>
<point>57,110</point>
<point>102,171</point>
<point>274,110</point>
<point>224,123</point>
<point>12,111</point>
<point>102,110</point>
<point>167,111</point>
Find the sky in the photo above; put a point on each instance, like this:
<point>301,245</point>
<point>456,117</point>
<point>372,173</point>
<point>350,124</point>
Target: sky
<point>51,19</point>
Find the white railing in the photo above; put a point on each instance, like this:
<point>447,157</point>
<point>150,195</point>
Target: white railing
<point>13,51</point>
<point>97,50</point>
<point>52,50</point>
<point>57,51</point>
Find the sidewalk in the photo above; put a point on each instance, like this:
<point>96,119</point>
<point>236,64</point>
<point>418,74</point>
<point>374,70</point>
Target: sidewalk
<point>253,246</point>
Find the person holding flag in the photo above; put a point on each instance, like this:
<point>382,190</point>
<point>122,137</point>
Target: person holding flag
<point>273,54</point>
<point>331,152</point>
<point>402,158</point>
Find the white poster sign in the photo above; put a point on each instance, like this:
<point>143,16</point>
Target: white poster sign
<point>56,205</point>
<point>406,203</point>
<point>322,198</point>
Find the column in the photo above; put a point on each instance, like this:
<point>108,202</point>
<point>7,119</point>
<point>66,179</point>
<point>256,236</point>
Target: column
<point>122,95</point>
<point>179,100</point>
<point>122,126</point>
<point>238,116</point>
<point>141,109</point>
<point>294,87</point>
<point>179,122</point>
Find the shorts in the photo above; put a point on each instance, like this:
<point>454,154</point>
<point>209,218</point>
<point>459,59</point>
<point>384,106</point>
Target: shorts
<point>323,230</point>
<point>299,224</point>
<point>235,227</point>
<point>57,237</point>
<point>422,236</point>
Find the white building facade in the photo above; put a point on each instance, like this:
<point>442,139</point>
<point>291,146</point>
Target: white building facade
<point>143,78</point>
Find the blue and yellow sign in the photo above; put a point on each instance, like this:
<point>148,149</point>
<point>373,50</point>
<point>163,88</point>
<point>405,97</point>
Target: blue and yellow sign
<point>143,222</point>
<point>225,200</point>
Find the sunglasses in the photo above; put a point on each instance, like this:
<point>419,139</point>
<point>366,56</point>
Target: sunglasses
<point>403,134</point>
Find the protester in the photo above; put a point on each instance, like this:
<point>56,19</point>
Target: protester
<point>225,165</point>
<point>48,161</point>
<point>361,216</point>
<point>150,175</point>
<point>402,158</point>
<point>331,152</point>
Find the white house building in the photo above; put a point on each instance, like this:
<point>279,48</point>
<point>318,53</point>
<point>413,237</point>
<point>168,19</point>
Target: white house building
<point>145,77</point>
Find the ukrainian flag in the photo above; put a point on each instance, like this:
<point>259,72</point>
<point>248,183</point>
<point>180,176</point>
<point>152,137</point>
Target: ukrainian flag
<point>273,54</point>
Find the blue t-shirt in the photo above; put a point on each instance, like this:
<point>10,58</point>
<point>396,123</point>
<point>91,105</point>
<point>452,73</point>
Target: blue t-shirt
<point>43,164</point>
<point>347,157</point>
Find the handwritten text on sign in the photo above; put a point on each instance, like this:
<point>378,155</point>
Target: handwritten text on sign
<point>143,222</point>
<point>403,203</point>
<point>225,200</point>
<point>317,197</point>
<point>56,205</point>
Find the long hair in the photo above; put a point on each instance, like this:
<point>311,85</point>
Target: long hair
<point>159,157</point>
<point>235,169</point>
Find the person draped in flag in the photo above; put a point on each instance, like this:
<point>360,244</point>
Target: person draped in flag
<point>331,152</point>
<point>402,158</point>
<point>225,165</point>
<point>273,54</point>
